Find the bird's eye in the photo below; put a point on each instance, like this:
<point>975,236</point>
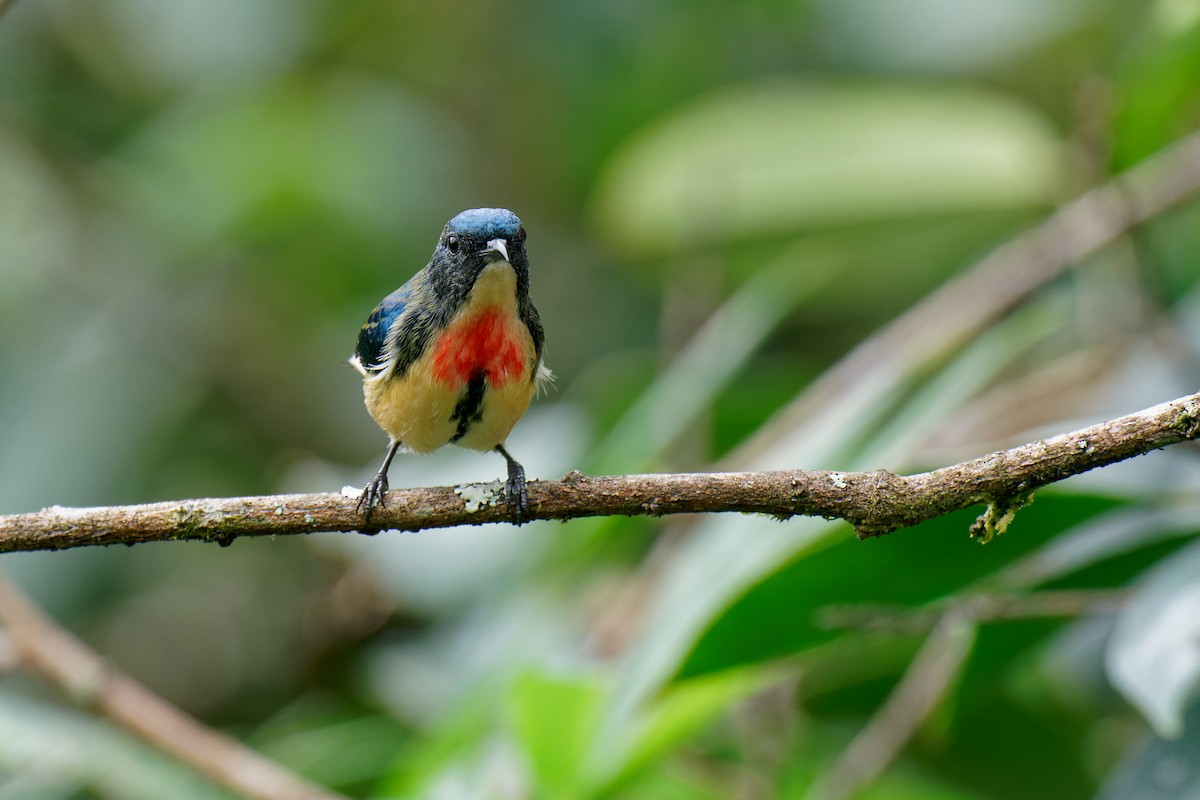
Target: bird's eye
<point>452,243</point>
<point>521,235</point>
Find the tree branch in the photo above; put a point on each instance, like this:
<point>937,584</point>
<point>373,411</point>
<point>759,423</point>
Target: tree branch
<point>91,680</point>
<point>875,503</point>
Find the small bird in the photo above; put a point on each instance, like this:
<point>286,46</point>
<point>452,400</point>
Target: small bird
<point>454,356</point>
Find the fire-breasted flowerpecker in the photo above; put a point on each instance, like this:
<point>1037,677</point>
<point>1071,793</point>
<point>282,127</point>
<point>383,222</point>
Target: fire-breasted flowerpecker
<point>454,355</point>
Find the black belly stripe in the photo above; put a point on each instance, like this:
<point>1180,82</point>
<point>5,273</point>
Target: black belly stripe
<point>469,408</point>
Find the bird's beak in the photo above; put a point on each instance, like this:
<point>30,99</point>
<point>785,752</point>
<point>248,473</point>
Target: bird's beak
<point>496,249</point>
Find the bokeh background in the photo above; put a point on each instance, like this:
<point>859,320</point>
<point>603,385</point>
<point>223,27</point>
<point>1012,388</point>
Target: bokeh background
<point>201,200</point>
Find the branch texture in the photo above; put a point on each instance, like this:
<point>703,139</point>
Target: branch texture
<point>875,503</point>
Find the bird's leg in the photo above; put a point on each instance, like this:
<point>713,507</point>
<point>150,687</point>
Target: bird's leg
<point>373,492</point>
<point>515,491</point>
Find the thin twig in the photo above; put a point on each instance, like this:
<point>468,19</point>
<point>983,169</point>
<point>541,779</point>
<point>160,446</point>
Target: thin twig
<point>90,680</point>
<point>981,608</point>
<point>874,502</point>
<point>926,681</point>
<point>935,668</point>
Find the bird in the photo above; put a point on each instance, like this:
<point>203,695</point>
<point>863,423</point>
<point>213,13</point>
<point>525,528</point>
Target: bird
<point>454,356</point>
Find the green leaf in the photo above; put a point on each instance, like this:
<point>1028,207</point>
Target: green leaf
<point>1113,537</point>
<point>453,748</point>
<point>676,784</point>
<point>781,614</point>
<point>683,710</point>
<point>554,718</point>
<point>1156,89</point>
<point>907,784</point>
<point>333,747</point>
<point>780,155</point>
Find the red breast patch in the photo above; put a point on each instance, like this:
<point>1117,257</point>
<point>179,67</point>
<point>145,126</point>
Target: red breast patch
<point>483,342</point>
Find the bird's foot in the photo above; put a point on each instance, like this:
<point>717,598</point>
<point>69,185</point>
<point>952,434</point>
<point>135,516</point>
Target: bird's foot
<point>516,494</point>
<point>516,491</point>
<point>372,495</point>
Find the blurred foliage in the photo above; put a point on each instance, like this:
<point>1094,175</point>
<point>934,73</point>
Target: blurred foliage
<point>201,201</point>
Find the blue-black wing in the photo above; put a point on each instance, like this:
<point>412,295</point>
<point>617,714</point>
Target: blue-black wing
<point>372,338</point>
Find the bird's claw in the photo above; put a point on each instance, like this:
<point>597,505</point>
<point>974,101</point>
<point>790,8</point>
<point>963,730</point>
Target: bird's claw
<point>372,496</point>
<point>516,494</point>
<point>515,491</point>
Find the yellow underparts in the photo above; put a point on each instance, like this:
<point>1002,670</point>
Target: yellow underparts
<point>418,408</point>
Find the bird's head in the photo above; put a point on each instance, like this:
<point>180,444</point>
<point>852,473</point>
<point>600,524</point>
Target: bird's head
<point>477,238</point>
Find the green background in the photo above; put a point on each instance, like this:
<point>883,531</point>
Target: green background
<point>201,201</point>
